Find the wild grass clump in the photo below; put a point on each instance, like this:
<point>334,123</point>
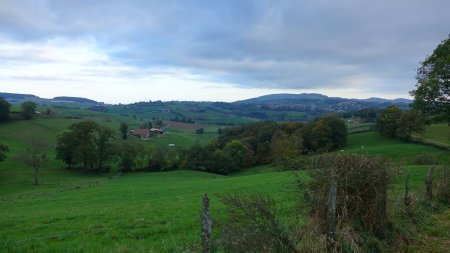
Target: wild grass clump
<point>426,159</point>
<point>361,215</point>
<point>252,225</point>
<point>443,186</point>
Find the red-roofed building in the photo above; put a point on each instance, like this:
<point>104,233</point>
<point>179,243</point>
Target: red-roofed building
<point>142,133</point>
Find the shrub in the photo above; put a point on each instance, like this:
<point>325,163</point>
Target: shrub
<point>426,159</point>
<point>252,225</point>
<point>443,186</point>
<point>361,192</point>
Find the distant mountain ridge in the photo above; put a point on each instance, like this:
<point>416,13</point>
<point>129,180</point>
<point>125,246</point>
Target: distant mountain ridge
<point>275,107</point>
<point>308,102</point>
<point>283,97</point>
<point>19,98</point>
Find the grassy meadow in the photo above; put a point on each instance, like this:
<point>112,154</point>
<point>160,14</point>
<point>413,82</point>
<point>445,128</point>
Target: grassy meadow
<point>159,212</point>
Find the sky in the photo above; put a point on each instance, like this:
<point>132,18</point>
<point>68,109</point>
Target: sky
<point>140,50</point>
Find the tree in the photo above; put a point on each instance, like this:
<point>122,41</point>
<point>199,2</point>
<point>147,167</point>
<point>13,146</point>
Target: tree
<point>410,121</point>
<point>329,132</point>
<point>35,157</point>
<point>388,120</point>
<point>104,148</point>
<point>237,152</point>
<point>432,93</point>
<point>88,143</point>
<point>200,130</point>
<point>28,109</point>
<point>158,161</point>
<point>3,149</point>
<point>124,130</point>
<point>4,109</point>
<point>128,155</point>
<point>67,148</point>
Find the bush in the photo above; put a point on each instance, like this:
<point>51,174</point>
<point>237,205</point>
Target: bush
<point>252,225</point>
<point>361,192</point>
<point>426,159</point>
<point>443,186</point>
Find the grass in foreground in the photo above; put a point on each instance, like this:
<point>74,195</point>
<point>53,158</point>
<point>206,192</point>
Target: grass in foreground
<point>139,212</point>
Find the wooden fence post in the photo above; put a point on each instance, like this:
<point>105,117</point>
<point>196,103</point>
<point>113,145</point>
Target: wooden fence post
<point>430,183</point>
<point>331,214</point>
<point>407,198</point>
<point>205,225</point>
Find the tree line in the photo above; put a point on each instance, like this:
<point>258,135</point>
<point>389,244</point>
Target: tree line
<point>94,148</point>
<point>28,109</point>
<point>395,122</point>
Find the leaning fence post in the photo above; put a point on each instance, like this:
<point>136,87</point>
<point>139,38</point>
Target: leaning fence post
<point>430,183</point>
<point>206,225</point>
<point>331,214</point>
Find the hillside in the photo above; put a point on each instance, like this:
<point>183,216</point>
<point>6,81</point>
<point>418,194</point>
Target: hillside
<point>158,212</point>
<point>64,101</point>
<point>319,102</point>
<point>275,107</point>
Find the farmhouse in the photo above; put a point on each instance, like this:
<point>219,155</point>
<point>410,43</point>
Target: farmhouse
<point>156,131</point>
<point>142,133</point>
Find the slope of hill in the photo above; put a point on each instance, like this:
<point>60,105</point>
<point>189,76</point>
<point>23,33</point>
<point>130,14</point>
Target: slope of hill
<point>318,102</point>
<point>15,98</point>
<point>275,107</point>
<point>159,212</point>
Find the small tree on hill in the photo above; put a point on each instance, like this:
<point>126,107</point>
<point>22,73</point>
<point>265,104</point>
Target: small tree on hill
<point>35,156</point>
<point>28,109</point>
<point>4,109</point>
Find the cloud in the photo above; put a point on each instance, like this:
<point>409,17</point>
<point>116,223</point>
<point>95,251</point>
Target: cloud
<point>324,45</point>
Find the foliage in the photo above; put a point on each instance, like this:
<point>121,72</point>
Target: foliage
<point>325,134</point>
<point>252,225</point>
<point>361,191</point>
<point>5,108</point>
<point>158,160</point>
<point>128,154</point>
<point>443,186</point>
<point>3,149</point>
<point>410,121</point>
<point>28,109</point>
<point>124,130</point>
<point>432,93</point>
<point>236,152</point>
<point>198,157</point>
<point>394,122</point>
<point>388,120</point>
<point>426,159</point>
<point>200,130</point>
<point>87,143</point>
<point>35,156</point>
<point>104,149</point>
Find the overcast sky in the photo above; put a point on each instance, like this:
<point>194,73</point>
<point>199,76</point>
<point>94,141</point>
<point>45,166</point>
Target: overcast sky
<point>132,50</point>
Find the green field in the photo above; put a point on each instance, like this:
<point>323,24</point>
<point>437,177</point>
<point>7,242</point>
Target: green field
<point>157,212</point>
<point>398,150</point>
<point>437,133</point>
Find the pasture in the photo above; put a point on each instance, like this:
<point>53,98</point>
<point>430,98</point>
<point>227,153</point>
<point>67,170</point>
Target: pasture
<point>159,212</point>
